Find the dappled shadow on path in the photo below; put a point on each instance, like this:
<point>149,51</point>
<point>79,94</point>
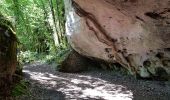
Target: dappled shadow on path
<point>76,86</point>
<point>93,85</point>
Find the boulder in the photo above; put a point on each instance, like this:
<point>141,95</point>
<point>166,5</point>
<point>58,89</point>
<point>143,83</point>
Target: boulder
<point>133,33</point>
<point>73,63</point>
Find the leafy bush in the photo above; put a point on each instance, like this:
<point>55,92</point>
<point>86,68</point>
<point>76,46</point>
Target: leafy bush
<point>26,57</point>
<point>61,56</point>
<point>21,88</point>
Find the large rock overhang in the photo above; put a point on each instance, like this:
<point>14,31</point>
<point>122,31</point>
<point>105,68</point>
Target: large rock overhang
<point>130,32</point>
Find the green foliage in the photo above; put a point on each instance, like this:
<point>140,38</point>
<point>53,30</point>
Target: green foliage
<point>40,28</point>
<point>55,57</point>
<point>4,21</point>
<point>21,88</point>
<point>26,57</point>
<point>117,68</point>
<point>61,56</point>
<point>39,23</point>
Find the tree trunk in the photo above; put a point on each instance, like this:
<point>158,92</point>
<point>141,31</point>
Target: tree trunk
<point>8,57</point>
<point>133,33</point>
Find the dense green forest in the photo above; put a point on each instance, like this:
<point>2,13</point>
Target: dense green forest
<point>31,30</point>
<point>39,26</point>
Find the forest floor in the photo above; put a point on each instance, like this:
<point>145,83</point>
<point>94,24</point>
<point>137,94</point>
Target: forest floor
<point>48,84</point>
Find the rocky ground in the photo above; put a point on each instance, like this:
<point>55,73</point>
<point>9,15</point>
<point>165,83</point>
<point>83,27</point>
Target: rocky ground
<point>48,84</point>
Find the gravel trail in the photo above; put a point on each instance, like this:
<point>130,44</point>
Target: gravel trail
<point>48,84</point>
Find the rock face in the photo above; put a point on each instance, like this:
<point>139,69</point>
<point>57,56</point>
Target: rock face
<point>73,63</point>
<point>133,33</point>
<point>8,57</point>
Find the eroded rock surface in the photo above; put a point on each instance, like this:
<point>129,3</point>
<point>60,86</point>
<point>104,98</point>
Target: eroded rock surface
<point>134,33</point>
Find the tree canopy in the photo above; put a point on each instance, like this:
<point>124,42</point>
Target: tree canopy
<point>39,24</point>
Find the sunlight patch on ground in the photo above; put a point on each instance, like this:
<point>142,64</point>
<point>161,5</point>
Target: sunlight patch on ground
<point>78,81</point>
<point>106,95</point>
<point>81,86</point>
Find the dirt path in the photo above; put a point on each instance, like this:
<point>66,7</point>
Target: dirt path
<point>48,84</point>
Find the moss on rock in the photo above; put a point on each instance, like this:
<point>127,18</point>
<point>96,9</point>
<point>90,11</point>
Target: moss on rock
<point>8,56</point>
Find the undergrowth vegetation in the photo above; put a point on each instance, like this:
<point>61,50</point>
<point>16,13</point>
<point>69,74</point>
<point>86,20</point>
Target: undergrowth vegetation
<point>21,88</point>
<point>40,28</point>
